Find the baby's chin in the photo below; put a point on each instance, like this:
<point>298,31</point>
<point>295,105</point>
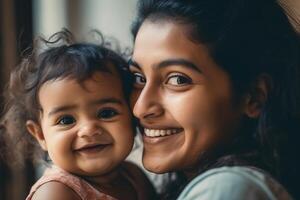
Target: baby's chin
<point>98,172</point>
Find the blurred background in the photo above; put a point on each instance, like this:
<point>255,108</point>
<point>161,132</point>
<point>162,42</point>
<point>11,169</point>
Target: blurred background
<point>22,20</point>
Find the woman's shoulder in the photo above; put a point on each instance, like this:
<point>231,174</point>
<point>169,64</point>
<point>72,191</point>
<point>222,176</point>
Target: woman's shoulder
<point>234,183</point>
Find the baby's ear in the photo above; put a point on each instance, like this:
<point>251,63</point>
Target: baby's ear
<point>258,96</point>
<point>36,131</point>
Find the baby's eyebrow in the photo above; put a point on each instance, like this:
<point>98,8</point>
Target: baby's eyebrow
<point>108,100</point>
<point>96,102</point>
<point>61,109</point>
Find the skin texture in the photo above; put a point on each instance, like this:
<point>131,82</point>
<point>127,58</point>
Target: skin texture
<point>90,113</point>
<point>179,86</point>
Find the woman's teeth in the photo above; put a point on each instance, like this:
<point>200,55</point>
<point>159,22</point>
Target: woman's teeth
<point>158,133</point>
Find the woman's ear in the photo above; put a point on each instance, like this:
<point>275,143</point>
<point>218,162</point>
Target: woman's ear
<point>257,96</point>
<point>36,131</point>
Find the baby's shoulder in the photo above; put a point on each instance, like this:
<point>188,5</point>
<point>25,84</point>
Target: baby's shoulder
<point>54,190</point>
<point>58,183</point>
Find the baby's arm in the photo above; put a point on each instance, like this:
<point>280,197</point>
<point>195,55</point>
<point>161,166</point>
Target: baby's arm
<point>55,191</point>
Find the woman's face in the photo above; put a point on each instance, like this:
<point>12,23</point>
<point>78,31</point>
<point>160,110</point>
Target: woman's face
<point>182,98</point>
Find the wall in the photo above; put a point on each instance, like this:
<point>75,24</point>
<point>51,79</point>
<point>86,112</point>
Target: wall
<point>112,17</point>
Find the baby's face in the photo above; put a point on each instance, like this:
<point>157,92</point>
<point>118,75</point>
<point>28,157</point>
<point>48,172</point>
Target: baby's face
<point>87,127</point>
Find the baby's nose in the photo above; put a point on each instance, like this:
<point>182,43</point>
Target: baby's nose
<point>89,129</point>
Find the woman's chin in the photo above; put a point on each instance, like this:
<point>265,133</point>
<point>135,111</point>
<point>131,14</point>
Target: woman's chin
<point>158,166</point>
<point>156,169</point>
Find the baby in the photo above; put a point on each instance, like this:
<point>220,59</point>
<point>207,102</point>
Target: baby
<point>73,100</point>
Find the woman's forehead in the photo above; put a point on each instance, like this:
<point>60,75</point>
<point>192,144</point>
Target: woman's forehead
<point>168,31</point>
<point>158,43</point>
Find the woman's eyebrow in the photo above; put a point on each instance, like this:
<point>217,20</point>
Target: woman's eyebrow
<point>169,62</point>
<point>181,62</point>
<point>131,62</point>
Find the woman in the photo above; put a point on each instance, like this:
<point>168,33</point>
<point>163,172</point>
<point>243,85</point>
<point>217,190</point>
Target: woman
<point>216,95</point>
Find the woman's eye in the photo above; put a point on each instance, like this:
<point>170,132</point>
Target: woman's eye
<point>139,79</point>
<point>66,120</point>
<point>178,80</point>
<point>107,113</point>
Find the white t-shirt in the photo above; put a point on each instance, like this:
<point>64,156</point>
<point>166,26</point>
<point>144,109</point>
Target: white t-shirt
<point>234,183</point>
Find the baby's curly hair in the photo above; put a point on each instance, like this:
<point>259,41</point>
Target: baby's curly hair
<point>63,58</point>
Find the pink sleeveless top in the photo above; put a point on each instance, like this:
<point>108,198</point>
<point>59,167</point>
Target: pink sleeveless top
<point>81,187</point>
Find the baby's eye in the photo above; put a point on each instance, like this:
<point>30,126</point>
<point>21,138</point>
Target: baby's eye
<point>66,120</point>
<point>107,113</point>
<point>178,80</point>
<point>139,79</point>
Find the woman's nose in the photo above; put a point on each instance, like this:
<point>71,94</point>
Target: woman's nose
<point>148,104</point>
<point>89,128</point>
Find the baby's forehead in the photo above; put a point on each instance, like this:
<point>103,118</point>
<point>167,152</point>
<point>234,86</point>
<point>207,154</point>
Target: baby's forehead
<point>101,78</point>
<point>101,85</point>
<point>96,79</point>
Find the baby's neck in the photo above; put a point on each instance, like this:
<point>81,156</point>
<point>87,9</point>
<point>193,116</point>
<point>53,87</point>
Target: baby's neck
<point>107,180</point>
<point>113,184</point>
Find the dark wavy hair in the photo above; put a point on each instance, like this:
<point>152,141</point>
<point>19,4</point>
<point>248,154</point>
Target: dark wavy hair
<point>62,58</point>
<point>247,38</point>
